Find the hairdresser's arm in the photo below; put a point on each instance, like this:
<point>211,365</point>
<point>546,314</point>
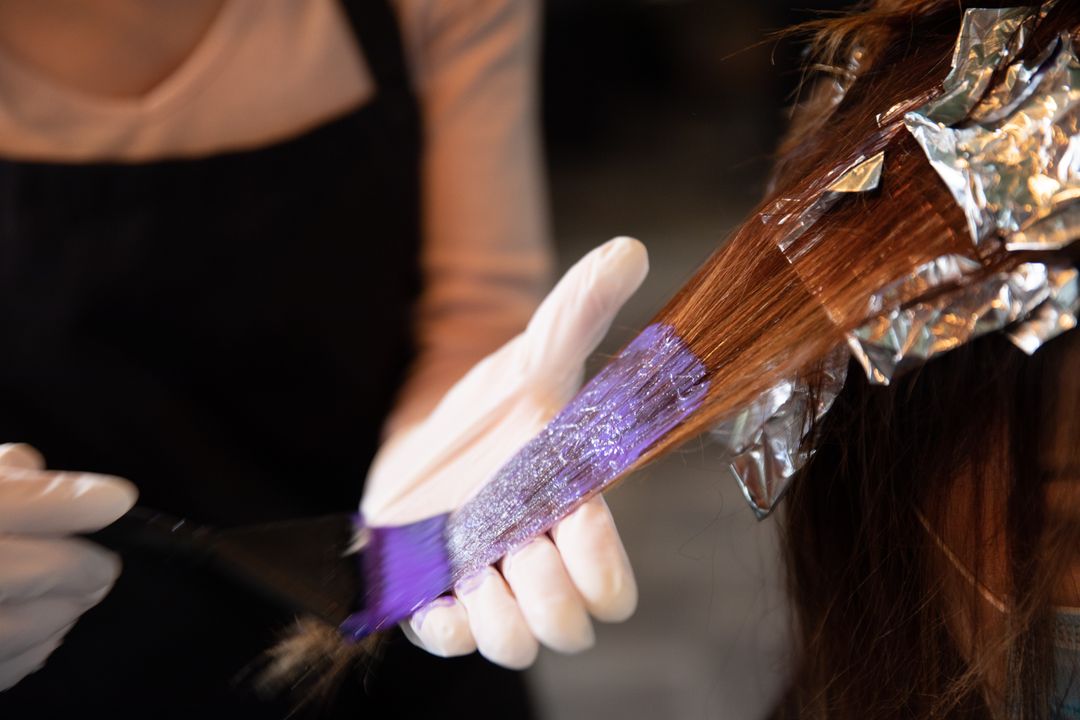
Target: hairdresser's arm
<point>48,580</point>
<point>486,260</point>
<point>486,256</point>
<point>545,591</point>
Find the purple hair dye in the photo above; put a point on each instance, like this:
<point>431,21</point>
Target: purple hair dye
<point>645,392</point>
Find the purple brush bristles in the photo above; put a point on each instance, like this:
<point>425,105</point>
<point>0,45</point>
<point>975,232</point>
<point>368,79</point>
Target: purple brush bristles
<point>652,386</point>
<point>400,567</point>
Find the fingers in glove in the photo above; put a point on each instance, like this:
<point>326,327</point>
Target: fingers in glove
<point>41,502</point>
<point>596,561</point>
<point>21,455</point>
<point>576,315</point>
<point>442,628</point>
<point>34,567</point>
<point>552,608</point>
<point>495,620</point>
<point>26,624</point>
<point>16,668</point>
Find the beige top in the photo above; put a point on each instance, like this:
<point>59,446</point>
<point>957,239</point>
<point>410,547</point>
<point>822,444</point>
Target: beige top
<point>267,70</point>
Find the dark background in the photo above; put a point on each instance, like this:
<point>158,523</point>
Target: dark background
<point>660,122</point>
<point>690,92</point>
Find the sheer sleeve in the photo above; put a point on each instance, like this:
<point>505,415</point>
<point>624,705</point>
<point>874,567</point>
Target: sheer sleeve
<point>486,256</point>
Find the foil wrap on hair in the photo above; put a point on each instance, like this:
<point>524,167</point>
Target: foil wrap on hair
<point>1054,316</point>
<point>1013,165</point>
<point>764,442</point>
<point>911,335</point>
<point>987,37</point>
<point>861,174</point>
<point>763,445</point>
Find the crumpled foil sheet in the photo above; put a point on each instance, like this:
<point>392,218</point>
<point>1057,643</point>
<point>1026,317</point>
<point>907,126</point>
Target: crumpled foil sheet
<point>988,36</point>
<point>940,272</point>
<point>865,175</point>
<point>910,335</point>
<point>1014,166</point>
<point>1055,316</point>
<point>763,442</point>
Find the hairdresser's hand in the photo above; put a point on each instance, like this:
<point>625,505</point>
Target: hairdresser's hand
<point>47,580</point>
<point>545,591</point>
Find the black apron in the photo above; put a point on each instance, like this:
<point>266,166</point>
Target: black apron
<point>227,332</point>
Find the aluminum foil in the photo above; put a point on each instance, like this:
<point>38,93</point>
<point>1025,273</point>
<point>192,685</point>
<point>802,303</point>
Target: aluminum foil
<point>861,173</point>
<point>1042,296</point>
<point>988,36</point>
<point>763,443</point>
<point>863,176</point>
<point>1013,165</point>
<point>1054,316</point>
<point>940,272</point>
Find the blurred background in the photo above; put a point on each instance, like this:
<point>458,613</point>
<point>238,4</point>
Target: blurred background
<point>660,121</point>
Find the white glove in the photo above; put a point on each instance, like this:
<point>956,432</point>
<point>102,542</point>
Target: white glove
<point>545,590</point>
<point>47,581</point>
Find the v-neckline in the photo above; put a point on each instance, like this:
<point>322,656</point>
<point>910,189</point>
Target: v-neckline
<point>178,84</point>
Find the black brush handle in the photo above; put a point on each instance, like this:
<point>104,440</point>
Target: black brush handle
<point>301,566</point>
<point>145,530</point>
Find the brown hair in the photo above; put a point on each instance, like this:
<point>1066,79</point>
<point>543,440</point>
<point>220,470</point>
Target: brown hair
<point>939,477</point>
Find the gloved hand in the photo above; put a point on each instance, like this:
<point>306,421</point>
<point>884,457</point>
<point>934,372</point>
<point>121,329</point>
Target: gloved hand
<point>46,580</point>
<point>546,590</point>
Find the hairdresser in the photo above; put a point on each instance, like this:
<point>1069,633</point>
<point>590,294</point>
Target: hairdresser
<point>241,243</point>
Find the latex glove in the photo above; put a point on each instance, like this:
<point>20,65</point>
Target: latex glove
<point>47,580</point>
<point>543,592</point>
